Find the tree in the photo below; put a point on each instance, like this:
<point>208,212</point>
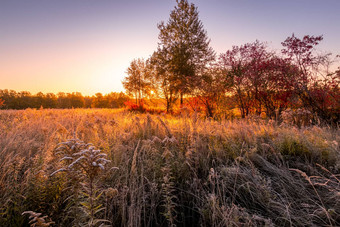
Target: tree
<point>39,100</point>
<point>184,45</point>
<point>50,100</point>
<point>10,99</point>
<point>212,86</point>
<point>76,99</point>
<point>260,80</point>
<point>137,82</point>
<point>25,100</point>
<point>163,79</point>
<point>318,93</point>
<point>116,100</point>
<point>244,67</point>
<point>275,92</point>
<point>300,53</point>
<point>99,101</point>
<point>63,101</point>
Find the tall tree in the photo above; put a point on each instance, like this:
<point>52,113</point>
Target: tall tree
<point>162,79</point>
<point>137,82</point>
<point>213,86</point>
<point>185,46</point>
<point>237,65</point>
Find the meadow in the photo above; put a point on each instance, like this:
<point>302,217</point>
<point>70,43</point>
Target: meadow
<point>164,170</point>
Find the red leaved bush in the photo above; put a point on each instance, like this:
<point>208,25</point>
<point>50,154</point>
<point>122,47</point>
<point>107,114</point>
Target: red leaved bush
<point>193,103</point>
<point>135,107</point>
<point>318,93</point>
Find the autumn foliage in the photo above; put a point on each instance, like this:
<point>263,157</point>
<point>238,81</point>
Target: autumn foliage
<point>184,71</point>
<point>258,80</point>
<point>130,105</point>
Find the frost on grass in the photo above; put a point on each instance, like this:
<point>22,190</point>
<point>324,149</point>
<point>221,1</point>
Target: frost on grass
<point>83,163</point>
<point>36,220</point>
<point>81,156</point>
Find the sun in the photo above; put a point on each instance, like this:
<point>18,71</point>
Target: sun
<point>107,79</point>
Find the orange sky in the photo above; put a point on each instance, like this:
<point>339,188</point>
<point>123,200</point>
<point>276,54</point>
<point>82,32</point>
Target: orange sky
<point>86,46</point>
<point>85,67</point>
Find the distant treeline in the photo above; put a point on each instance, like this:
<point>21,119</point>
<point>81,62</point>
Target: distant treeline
<point>22,100</point>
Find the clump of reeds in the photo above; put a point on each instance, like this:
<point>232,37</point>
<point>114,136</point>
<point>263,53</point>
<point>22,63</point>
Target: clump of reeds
<point>36,220</point>
<point>83,165</point>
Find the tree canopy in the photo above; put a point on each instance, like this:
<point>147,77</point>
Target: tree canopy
<point>251,77</point>
<point>184,45</point>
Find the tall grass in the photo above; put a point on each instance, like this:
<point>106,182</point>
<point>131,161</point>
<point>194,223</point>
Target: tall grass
<point>166,171</point>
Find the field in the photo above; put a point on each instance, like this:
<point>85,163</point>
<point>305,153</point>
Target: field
<point>161,170</point>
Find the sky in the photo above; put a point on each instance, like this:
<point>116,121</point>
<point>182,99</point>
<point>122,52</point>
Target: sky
<point>87,45</point>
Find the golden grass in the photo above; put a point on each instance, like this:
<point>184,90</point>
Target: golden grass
<point>183,170</point>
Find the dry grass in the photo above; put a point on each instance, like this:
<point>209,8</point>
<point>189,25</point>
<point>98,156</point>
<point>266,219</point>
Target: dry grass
<point>184,170</point>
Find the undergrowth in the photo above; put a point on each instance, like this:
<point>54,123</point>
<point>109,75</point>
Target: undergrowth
<point>146,170</point>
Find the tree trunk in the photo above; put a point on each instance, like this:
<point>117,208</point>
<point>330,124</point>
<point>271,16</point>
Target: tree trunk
<point>209,110</point>
<point>167,105</point>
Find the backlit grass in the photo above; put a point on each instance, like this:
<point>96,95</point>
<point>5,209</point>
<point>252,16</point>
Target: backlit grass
<point>164,170</point>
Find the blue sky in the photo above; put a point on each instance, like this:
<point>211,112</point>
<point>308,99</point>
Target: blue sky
<point>87,45</point>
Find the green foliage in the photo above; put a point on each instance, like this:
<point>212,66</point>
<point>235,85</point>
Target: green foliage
<point>292,147</point>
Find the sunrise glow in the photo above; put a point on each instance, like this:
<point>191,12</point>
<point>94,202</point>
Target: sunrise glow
<point>86,46</point>
<point>169,113</point>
